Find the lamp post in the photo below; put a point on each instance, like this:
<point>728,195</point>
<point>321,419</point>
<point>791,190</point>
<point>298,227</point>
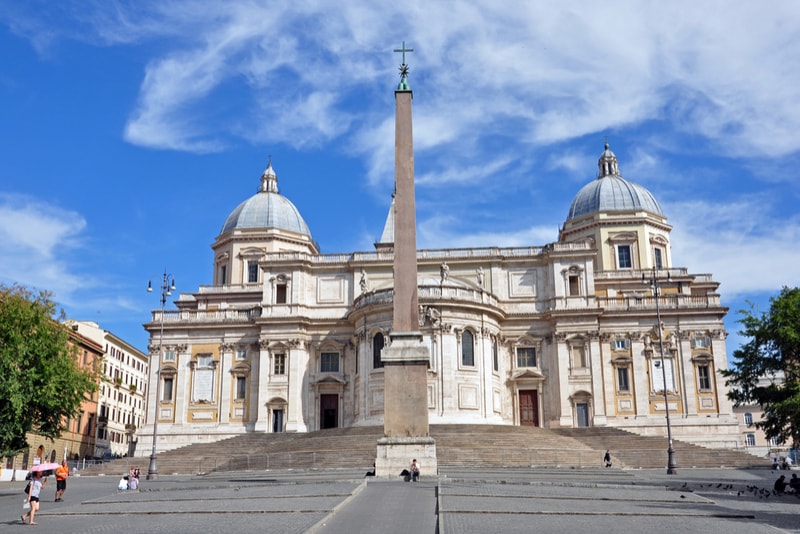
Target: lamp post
<point>167,286</point>
<point>672,466</point>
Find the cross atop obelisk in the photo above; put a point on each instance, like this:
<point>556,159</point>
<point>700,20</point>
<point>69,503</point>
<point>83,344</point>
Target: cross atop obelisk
<point>403,85</point>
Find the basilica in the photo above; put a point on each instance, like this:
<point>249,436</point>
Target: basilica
<point>597,328</point>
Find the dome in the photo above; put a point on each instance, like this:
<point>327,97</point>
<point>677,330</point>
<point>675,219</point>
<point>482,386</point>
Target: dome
<point>611,192</point>
<point>267,209</point>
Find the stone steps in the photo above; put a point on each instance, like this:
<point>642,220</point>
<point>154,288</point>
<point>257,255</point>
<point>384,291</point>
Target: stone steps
<point>456,446</point>
<point>636,451</point>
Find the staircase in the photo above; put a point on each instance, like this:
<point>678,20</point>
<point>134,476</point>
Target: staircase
<point>456,446</point>
<point>636,451</point>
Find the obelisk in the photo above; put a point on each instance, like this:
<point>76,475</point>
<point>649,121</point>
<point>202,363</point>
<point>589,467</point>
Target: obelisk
<point>406,358</point>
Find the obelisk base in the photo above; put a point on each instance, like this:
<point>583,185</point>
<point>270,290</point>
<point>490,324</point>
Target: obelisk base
<point>405,407</point>
<point>395,454</point>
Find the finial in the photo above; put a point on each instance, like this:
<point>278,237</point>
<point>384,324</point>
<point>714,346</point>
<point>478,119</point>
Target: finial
<point>606,142</point>
<point>269,179</point>
<point>404,85</point>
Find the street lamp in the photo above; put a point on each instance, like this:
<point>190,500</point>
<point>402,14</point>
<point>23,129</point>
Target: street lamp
<point>167,287</point>
<point>672,466</point>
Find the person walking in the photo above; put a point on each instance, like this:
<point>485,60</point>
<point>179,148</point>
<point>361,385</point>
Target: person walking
<point>607,458</point>
<point>33,497</point>
<point>61,480</point>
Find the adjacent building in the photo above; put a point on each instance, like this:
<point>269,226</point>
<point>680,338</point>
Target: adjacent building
<point>123,388</point>
<point>565,334</point>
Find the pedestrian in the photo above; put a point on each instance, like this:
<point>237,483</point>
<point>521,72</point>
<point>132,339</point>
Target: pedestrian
<point>775,465</point>
<point>61,480</point>
<point>607,458</point>
<point>33,497</point>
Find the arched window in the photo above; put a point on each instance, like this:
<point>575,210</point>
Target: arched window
<point>467,349</point>
<point>377,347</point>
<point>495,357</point>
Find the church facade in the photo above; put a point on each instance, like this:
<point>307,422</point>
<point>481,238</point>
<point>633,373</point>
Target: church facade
<point>286,339</point>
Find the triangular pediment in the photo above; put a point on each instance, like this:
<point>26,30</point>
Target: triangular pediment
<point>330,379</point>
<point>526,374</point>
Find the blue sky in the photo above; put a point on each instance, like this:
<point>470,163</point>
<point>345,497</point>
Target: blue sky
<point>129,131</point>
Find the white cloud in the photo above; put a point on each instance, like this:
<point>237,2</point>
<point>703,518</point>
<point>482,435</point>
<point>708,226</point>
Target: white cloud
<point>35,239</point>
<point>747,249</point>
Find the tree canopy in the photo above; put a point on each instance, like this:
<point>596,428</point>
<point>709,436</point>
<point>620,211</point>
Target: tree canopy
<point>766,369</point>
<point>42,383</point>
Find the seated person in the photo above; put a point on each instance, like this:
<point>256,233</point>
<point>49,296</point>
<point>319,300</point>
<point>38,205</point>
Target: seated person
<point>414,470</point>
<point>123,484</point>
<point>780,485</point>
<point>794,483</point>
<point>133,483</point>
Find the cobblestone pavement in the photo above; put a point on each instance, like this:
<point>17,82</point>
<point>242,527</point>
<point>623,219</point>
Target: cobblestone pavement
<point>513,500</point>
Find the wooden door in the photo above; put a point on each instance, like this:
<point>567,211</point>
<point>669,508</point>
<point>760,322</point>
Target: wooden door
<point>528,407</point>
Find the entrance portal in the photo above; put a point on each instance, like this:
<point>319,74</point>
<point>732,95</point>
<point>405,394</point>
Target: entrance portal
<point>583,414</point>
<point>277,420</point>
<point>329,411</point>
<point>528,407</point>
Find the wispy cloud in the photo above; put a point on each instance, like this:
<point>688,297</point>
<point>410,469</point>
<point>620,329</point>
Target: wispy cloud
<point>37,243</point>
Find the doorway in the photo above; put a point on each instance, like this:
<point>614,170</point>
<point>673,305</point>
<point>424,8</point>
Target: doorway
<point>528,407</point>
<point>582,410</point>
<point>329,411</point>
<point>277,421</point>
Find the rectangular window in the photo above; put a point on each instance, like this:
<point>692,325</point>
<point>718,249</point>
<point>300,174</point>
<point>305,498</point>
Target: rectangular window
<point>751,440</point>
<point>526,357</point>
<point>223,274</point>
<point>252,271</point>
<point>329,362</point>
<point>241,354</point>
<point>623,384</point>
<point>166,392</point>
<point>280,294</point>
<point>574,285</point>
<point>748,419</point>
<point>169,355</point>
<point>624,257</point>
<point>241,387</point>
<point>579,356</point>
<point>279,367</point>
<point>659,263</point>
<point>467,349</point>
<point>204,360</point>
<point>620,343</point>
<point>495,357</point>
<point>701,342</point>
<point>703,377</point>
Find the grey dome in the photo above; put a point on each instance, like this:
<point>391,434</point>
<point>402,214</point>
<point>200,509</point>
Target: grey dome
<point>267,209</point>
<point>611,192</point>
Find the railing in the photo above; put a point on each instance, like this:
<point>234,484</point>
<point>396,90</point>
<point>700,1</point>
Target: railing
<point>345,459</point>
<point>665,302</point>
<point>207,316</point>
<point>459,294</point>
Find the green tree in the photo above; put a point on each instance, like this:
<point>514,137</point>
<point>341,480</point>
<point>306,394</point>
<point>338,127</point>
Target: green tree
<point>41,381</point>
<point>766,369</point>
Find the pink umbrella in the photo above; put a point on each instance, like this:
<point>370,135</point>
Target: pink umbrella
<point>47,466</point>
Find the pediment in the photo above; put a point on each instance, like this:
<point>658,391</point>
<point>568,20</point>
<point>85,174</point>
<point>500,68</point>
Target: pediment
<point>330,379</point>
<point>526,374</point>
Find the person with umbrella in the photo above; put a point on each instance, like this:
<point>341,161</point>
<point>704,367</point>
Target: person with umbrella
<point>33,496</point>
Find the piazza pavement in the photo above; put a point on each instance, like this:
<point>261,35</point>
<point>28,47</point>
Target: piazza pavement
<point>541,500</point>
